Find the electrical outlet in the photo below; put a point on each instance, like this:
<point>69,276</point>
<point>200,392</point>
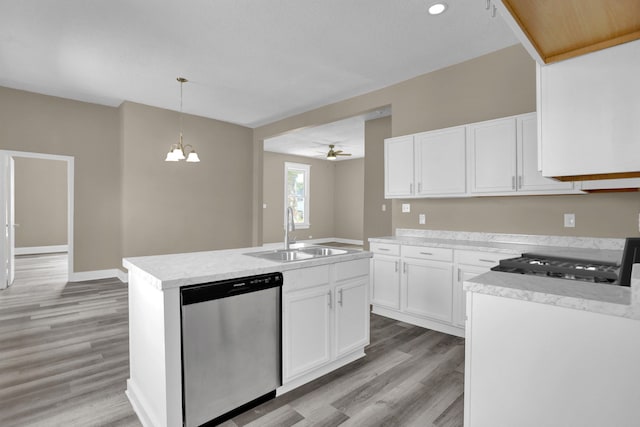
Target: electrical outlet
<point>569,220</point>
<point>422,219</point>
<point>406,208</point>
<point>264,206</point>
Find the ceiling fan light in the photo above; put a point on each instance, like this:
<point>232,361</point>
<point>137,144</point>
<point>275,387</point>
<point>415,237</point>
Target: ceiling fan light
<point>331,156</point>
<point>437,8</point>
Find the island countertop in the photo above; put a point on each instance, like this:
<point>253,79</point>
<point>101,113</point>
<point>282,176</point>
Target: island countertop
<point>177,270</point>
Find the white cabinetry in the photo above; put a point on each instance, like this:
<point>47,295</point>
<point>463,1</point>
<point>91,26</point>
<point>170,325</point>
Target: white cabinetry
<point>426,164</point>
<point>589,108</point>
<point>503,158</point>
<point>529,364</point>
<point>440,162</point>
<point>414,284</point>
<point>325,319</point>
<point>492,156</point>
<point>469,264</point>
<point>398,167</point>
<point>385,275</point>
<point>426,282</point>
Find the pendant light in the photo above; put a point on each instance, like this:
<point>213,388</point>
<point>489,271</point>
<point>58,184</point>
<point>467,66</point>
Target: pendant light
<point>177,151</point>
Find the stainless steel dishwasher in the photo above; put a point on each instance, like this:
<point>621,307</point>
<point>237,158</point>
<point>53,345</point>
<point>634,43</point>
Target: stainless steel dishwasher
<point>231,347</point>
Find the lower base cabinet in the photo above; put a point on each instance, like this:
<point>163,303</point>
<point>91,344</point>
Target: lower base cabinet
<point>325,316</point>
<point>423,285</point>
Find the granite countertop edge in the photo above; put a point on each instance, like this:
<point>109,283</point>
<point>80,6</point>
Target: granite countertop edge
<point>177,270</point>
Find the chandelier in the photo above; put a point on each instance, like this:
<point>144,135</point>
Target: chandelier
<point>177,151</point>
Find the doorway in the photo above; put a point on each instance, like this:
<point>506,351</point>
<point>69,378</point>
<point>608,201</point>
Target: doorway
<point>8,207</point>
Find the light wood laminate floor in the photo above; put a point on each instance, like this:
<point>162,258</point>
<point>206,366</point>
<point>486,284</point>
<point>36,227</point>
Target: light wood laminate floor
<point>64,362</point>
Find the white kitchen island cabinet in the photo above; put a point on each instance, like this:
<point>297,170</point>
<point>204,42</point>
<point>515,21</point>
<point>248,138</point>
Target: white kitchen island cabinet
<point>325,319</point>
<point>529,364</point>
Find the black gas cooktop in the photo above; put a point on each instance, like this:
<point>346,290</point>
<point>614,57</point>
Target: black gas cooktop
<point>562,268</point>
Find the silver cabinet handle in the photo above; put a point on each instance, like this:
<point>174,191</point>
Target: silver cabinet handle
<point>513,182</point>
<point>340,297</point>
<point>459,275</point>
<point>488,260</point>
<point>330,298</point>
<point>520,180</point>
<point>396,266</point>
<point>488,5</point>
<point>419,187</point>
<point>404,267</point>
<point>426,253</point>
<point>384,249</point>
<point>411,188</point>
<point>493,11</point>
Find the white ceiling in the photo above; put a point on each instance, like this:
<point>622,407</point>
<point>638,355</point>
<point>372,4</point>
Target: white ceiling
<point>346,135</point>
<point>249,62</point>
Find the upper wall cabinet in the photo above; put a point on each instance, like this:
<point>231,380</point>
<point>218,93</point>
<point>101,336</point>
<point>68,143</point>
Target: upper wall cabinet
<point>440,167</point>
<point>492,158</point>
<point>426,164</point>
<point>589,115</point>
<point>503,158</point>
<point>398,167</point>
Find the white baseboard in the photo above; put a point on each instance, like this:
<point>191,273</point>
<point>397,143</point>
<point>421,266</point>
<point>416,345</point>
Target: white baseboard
<point>83,276</point>
<point>32,250</point>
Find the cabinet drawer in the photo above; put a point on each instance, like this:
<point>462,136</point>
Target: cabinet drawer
<point>303,278</point>
<point>422,252</point>
<point>351,269</point>
<point>385,248</point>
<point>483,259</point>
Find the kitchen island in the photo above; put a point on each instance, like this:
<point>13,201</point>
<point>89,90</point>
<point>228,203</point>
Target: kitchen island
<point>325,319</point>
<point>551,352</point>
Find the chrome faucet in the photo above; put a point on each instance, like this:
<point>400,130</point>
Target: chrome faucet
<point>289,226</point>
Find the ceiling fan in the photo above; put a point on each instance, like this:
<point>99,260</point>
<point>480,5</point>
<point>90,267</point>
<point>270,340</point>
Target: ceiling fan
<point>333,154</point>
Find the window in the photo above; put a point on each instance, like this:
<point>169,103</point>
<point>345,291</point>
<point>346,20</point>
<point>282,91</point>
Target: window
<point>296,192</point>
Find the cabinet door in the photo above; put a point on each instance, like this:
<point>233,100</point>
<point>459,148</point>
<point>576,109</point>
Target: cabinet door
<point>441,162</point>
<point>492,156</point>
<point>306,330</point>
<point>352,316</point>
<point>398,166</point>
<point>385,281</point>
<point>428,288</point>
<point>529,177</point>
<point>463,272</point>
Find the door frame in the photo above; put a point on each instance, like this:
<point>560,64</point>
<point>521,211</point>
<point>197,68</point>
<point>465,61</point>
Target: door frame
<point>5,198</point>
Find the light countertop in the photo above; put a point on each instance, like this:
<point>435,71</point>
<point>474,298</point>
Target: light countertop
<point>177,270</point>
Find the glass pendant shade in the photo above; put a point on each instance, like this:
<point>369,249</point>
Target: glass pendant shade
<point>178,154</point>
<point>193,157</point>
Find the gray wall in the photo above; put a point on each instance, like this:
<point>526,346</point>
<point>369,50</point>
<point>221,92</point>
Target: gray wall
<point>499,84</point>
<point>336,193</point>
<point>173,207</point>
<point>349,199</point>
<point>45,124</point>
<point>377,223</point>
<point>40,202</point>
<point>321,198</point>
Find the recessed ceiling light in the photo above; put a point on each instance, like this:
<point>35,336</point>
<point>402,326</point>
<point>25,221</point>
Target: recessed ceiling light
<point>437,8</point>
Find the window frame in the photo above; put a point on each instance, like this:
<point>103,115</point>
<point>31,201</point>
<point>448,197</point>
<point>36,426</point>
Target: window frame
<point>306,169</point>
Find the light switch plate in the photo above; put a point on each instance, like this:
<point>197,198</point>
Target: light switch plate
<point>384,207</point>
<point>422,219</point>
<point>406,208</point>
<point>569,220</point>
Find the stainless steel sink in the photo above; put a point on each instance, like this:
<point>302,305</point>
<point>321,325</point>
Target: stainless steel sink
<point>282,255</point>
<point>322,251</point>
<point>299,254</point>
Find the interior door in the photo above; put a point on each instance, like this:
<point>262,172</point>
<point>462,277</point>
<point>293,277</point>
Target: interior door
<point>7,252</point>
